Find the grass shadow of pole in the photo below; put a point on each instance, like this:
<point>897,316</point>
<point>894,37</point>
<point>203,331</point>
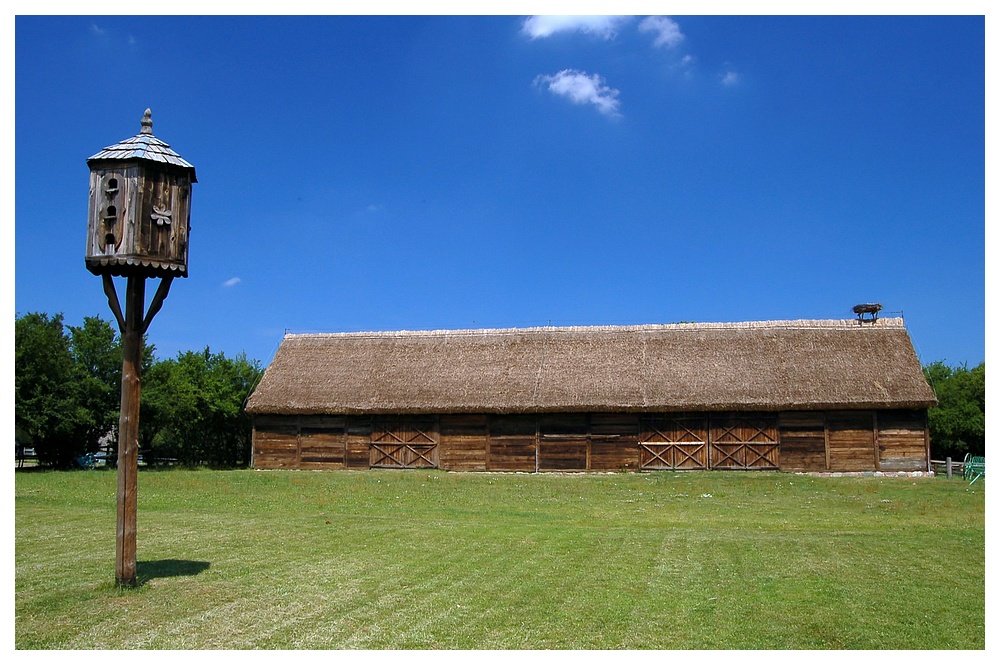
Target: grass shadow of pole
<point>148,570</point>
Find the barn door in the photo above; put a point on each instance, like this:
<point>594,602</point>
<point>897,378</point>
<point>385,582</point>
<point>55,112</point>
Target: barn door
<point>744,441</point>
<point>673,442</point>
<point>404,442</point>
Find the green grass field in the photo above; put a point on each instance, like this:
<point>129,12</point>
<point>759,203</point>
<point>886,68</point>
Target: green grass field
<point>434,560</point>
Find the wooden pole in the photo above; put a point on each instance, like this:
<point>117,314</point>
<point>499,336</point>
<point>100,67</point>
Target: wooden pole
<point>128,431</point>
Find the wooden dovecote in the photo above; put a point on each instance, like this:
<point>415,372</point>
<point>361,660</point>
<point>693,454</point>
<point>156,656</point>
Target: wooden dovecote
<point>138,224</point>
<point>140,207</point>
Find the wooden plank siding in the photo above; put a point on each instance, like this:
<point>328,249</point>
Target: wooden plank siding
<point>464,442</point>
<point>851,440</point>
<point>791,441</point>
<point>512,443</point>
<point>321,442</point>
<point>614,439</point>
<point>357,442</point>
<point>275,443</point>
<point>902,443</point>
<point>563,442</point>
<point>802,436</point>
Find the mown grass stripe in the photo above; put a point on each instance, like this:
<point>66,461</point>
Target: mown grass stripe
<point>433,560</point>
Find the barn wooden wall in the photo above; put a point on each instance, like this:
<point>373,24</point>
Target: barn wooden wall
<point>787,441</point>
<point>894,440</point>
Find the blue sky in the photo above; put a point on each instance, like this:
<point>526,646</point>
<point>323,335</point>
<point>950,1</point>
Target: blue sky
<point>388,173</point>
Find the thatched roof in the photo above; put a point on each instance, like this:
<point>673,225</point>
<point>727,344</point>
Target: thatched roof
<point>772,365</point>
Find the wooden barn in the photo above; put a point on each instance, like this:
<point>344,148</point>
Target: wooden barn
<point>809,396</point>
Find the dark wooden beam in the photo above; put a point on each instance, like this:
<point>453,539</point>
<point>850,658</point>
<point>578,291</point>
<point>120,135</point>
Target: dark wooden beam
<point>116,308</point>
<point>128,432</point>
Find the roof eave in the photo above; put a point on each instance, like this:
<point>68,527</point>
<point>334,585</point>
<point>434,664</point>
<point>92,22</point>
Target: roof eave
<point>285,410</point>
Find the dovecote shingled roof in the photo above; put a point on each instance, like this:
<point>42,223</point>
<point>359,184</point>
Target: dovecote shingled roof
<point>143,147</point>
<point>766,366</point>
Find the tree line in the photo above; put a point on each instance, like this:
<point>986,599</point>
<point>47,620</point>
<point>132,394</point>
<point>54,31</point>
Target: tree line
<point>67,397</point>
<point>958,423</point>
<point>68,388</point>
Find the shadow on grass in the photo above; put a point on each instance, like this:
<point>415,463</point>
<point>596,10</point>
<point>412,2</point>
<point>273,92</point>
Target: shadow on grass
<point>148,570</point>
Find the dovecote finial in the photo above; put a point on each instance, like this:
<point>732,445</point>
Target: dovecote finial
<point>147,122</point>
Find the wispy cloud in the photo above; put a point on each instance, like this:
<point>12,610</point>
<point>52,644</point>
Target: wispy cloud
<point>605,27</point>
<point>582,88</point>
<point>232,281</point>
<point>668,33</point>
<point>730,78</point>
<point>111,38</point>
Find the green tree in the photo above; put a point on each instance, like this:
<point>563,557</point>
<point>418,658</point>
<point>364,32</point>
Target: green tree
<point>47,411</point>
<point>67,385</point>
<point>97,362</point>
<point>192,409</point>
<point>958,423</point>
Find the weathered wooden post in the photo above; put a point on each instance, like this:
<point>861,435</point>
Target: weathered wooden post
<point>138,226</point>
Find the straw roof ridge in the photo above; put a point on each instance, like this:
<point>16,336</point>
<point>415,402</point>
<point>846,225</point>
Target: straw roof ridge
<point>797,324</point>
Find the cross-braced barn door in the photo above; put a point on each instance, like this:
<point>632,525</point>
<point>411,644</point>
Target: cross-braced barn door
<point>744,441</point>
<point>404,442</point>
<point>673,442</point>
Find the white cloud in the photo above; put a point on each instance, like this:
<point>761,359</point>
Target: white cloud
<point>545,26</point>
<point>668,33</point>
<point>730,78</point>
<point>582,88</point>
<point>232,281</point>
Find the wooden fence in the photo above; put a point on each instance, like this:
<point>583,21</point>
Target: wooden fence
<point>949,467</point>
